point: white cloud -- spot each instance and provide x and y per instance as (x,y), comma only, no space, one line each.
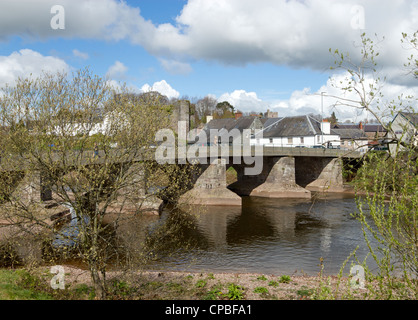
(79,54)
(99,19)
(244,101)
(27,62)
(306,101)
(117,71)
(162,87)
(284,32)
(236,32)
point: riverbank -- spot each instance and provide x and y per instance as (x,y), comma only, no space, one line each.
(169,285)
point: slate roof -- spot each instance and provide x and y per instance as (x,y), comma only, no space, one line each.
(368,127)
(356,134)
(297,126)
(345,126)
(230,123)
(373,128)
(411,117)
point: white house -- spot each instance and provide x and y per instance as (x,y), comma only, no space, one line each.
(298,131)
(112,122)
(405,128)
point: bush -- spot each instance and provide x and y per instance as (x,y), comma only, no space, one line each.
(284,279)
(235,292)
(261,290)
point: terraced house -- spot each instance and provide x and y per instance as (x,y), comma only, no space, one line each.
(298,131)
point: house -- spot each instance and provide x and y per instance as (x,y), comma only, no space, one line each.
(221,129)
(374,132)
(357,136)
(353,139)
(297,131)
(405,129)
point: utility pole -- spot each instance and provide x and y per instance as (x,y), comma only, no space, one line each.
(322,116)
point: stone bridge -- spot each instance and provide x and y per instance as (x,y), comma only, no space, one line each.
(285,173)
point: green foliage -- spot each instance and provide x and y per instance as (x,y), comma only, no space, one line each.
(305,292)
(201,283)
(284,279)
(51,124)
(235,292)
(387,184)
(388,213)
(224,110)
(18,285)
(120,290)
(261,290)
(332,119)
(273,283)
(215,293)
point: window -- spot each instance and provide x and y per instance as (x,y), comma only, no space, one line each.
(302,140)
(318,139)
(289,140)
(271,140)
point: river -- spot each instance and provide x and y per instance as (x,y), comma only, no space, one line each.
(271,236)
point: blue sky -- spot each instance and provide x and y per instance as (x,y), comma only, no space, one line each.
(255,54)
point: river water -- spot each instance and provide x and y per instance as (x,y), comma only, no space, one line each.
(272,236)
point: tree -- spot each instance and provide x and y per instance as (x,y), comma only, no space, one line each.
(364,80)
(412,44)
(99,169)
(205,106)
(224,110)
(386,184)
(332,119)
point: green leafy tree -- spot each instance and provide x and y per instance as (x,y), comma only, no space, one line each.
(332,119)
(224,110)
(100,167)
(386,184)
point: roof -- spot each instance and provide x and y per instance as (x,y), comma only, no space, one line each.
(231,123)
(292,127)
(345,126)
(369,127)
(411,117)
(351,133)
(220,124)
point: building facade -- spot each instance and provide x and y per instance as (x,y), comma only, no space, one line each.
(298,131)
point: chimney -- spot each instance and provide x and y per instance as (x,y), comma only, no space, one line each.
(238,115)
(360,125)
(326,127)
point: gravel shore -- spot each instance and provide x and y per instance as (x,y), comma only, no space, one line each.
(171,285)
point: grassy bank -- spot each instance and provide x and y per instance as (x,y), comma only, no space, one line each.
(36,285)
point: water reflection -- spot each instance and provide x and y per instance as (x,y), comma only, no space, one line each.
(268,236)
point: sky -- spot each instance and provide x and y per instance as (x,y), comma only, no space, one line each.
(255,54)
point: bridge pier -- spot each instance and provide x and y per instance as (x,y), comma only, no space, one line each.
(281,181)
(320,174)
(135,195)
(34,187)
(245,184)
(210,187)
